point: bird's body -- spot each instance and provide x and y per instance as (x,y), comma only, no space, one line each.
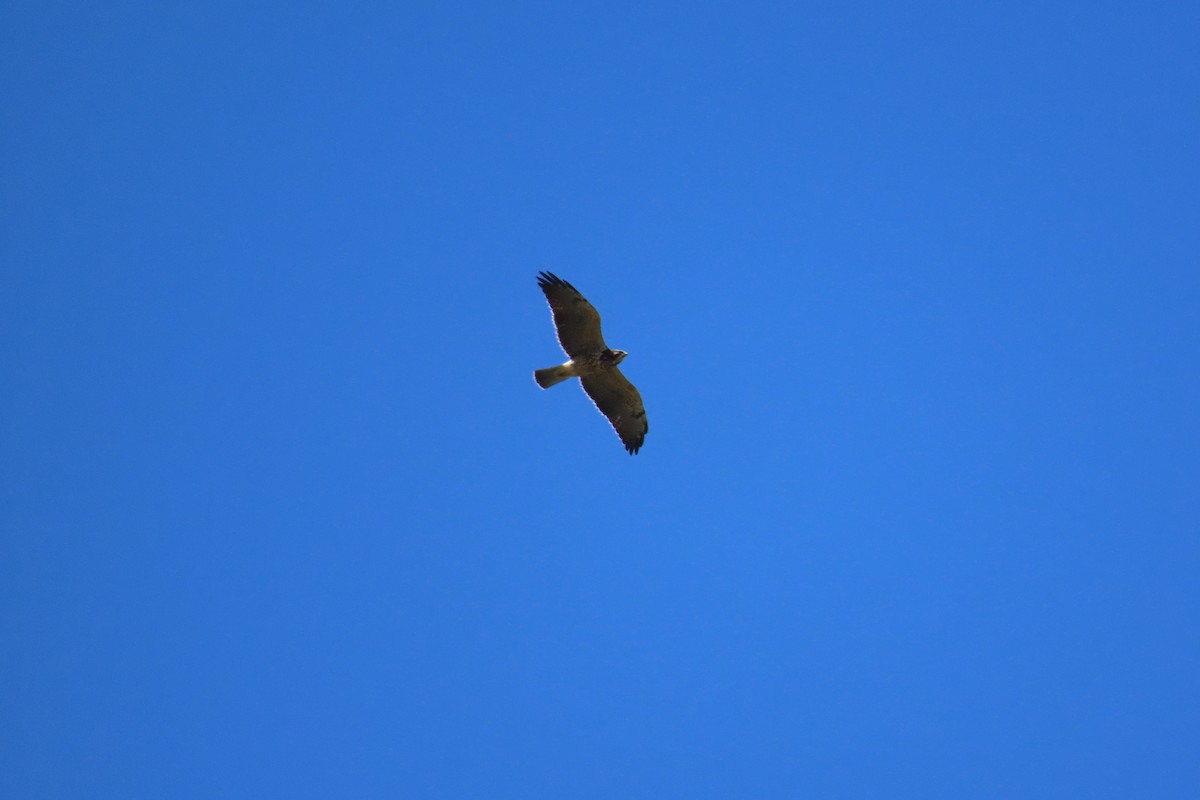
(583,366)
(592,361)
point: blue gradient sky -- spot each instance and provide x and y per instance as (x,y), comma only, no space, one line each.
(912,295)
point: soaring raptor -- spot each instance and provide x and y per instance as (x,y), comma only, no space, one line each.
(578,325)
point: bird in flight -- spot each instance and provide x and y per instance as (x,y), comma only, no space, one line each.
(578,326)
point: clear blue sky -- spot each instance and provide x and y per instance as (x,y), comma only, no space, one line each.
(911,291)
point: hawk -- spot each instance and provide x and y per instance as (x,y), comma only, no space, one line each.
(578,326)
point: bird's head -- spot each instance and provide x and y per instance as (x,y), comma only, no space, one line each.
(618,356)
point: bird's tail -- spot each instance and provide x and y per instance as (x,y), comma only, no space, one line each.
(551,375)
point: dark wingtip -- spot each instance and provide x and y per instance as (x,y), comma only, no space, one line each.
(633,448)
(548,279)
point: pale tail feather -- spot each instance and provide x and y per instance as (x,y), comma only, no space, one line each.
(551,375)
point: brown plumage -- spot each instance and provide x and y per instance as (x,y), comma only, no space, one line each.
(578,326)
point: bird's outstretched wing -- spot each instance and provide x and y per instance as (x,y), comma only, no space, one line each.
(619,400)
(575,320)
